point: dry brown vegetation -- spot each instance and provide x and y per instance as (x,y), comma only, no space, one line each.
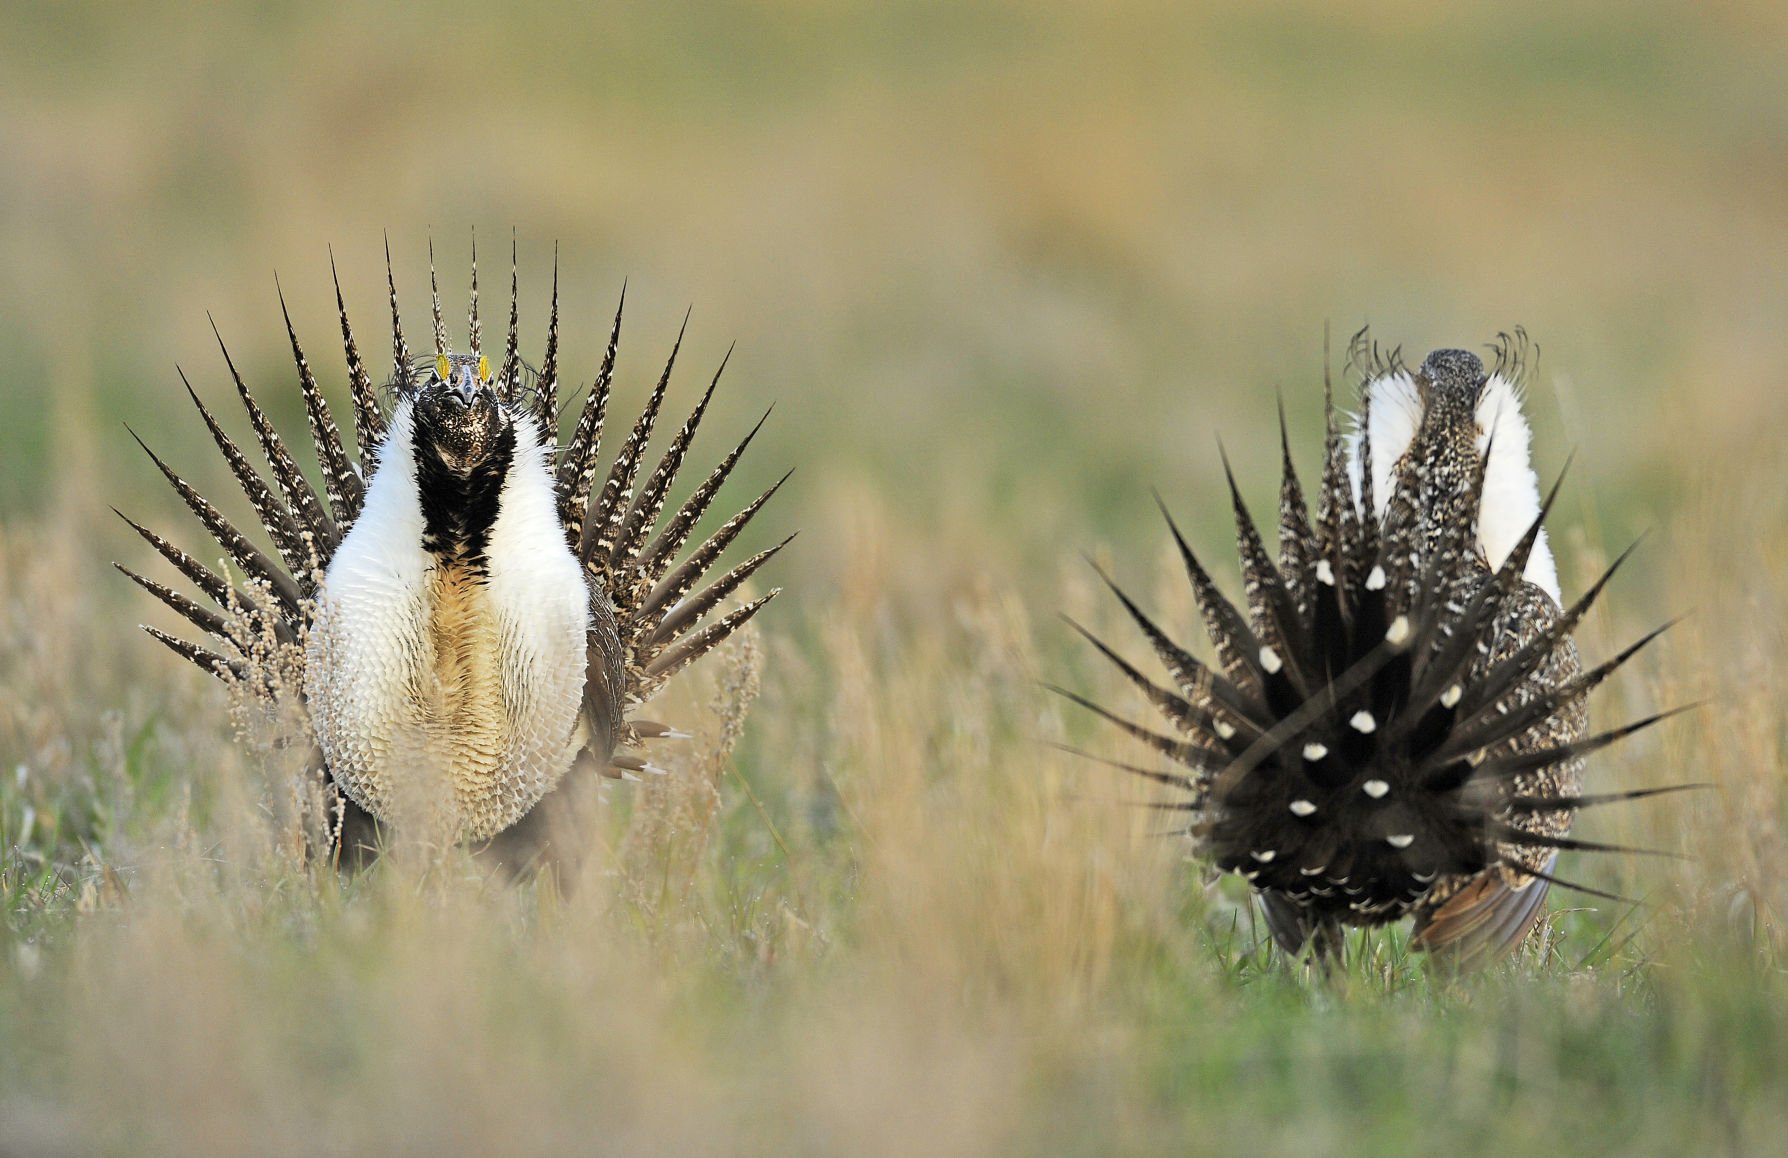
(1002,269)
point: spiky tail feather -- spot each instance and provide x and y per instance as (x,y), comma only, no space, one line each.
(652,606)
(1391,728)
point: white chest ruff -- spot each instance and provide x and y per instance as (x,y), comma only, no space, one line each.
(443,699)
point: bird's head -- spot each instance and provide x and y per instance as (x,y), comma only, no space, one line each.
(459,412)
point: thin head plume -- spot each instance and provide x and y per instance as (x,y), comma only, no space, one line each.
(400,349)
(1515,357)
(474,331)
(512,344)
(434,291)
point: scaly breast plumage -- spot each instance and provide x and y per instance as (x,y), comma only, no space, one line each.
(445,703)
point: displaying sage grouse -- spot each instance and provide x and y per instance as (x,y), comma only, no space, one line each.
(1397,725)
(478,607)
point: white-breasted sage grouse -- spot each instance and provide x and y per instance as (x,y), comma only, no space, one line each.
(1396,724)
(476,606)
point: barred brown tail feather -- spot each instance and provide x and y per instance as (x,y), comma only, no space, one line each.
(652,609)
(1396,721)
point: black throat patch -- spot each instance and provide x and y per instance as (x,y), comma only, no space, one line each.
(459,505)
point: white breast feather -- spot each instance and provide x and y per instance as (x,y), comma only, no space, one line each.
(371,651)
(1511,490)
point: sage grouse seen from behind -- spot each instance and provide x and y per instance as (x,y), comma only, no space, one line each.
(476,606)
(1396,726)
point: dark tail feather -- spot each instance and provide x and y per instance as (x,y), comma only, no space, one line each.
(1483,696)
(602,527)
(1197,682)
(434,293)
(547,403)
(245,554)
(340,481)
(657,557)
(1508,767)
(577,466)
(1273,609)
(509,377)
(203,618)
(474,331)
(1193,756)
(676,658)
(369,420)
(276,519)
(681,617)
(1526,805)
(682,580)
(300,497)
(400,349)
(1492,727)
(643,515)
(1297,561)
(1183,714)
(213,585)
(1230,635)
(208,661)
(1170,779)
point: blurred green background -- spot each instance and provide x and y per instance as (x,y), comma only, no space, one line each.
(1003,267)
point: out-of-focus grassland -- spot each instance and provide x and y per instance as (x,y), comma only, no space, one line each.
(1002,268)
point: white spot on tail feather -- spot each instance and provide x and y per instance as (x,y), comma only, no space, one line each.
(1376,789)
(1302,808)
(1401,840)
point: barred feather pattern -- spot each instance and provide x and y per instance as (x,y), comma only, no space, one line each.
(1397,723)
(652,608)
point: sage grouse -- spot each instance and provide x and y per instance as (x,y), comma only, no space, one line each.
(477,607)
(1397,725)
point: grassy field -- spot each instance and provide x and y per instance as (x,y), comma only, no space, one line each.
(1002,269)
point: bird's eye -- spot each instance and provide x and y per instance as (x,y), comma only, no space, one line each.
(483,368)
(443,368)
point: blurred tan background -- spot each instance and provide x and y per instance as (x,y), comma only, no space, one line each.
(1002,267)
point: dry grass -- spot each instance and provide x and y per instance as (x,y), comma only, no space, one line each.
(1003,269)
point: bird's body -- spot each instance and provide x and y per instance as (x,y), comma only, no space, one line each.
(474,613)
(1396,726)
(471,663)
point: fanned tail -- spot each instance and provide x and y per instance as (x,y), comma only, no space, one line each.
(1391,726)
(661,614)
